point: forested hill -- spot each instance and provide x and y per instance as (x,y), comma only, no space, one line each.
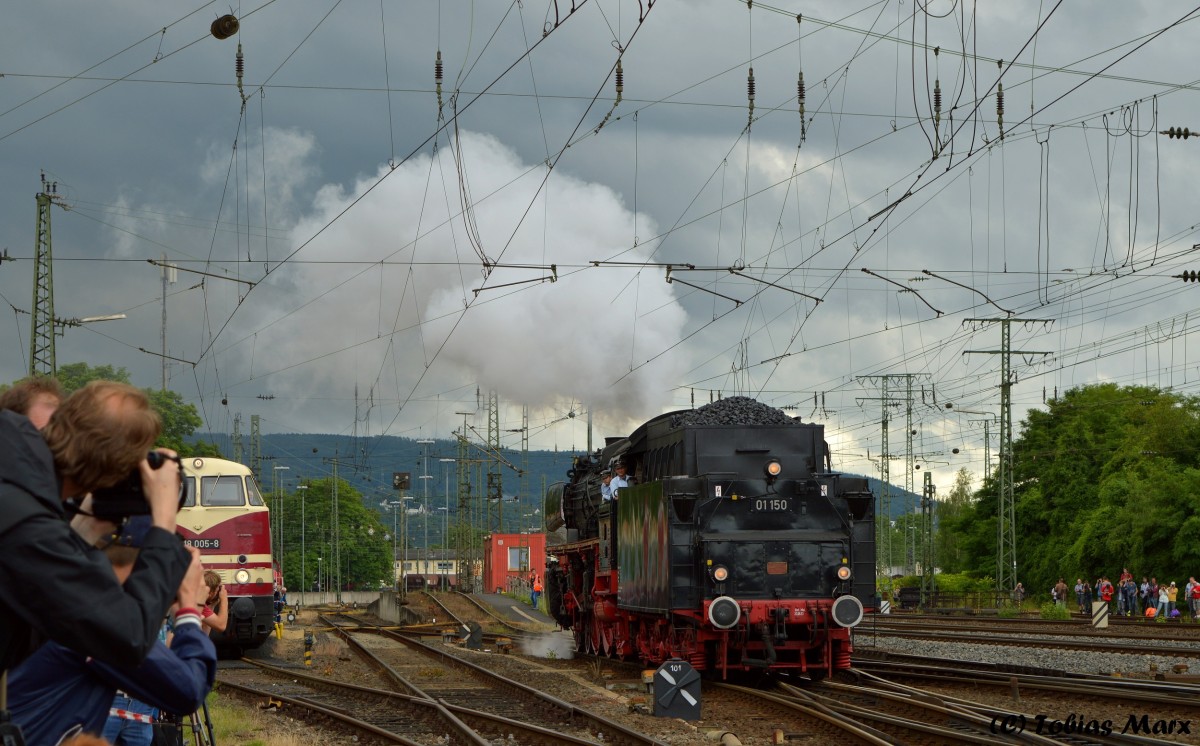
(369,466)
(1105,477)
(310,457)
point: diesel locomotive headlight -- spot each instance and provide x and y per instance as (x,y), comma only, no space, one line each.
(772,469)
(843,572)
(720,574)
(242,576)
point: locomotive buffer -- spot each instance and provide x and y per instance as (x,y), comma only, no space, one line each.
(677,690)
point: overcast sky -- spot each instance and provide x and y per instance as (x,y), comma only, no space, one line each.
(373,258)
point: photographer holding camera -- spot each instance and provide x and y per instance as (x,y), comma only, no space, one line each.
(53,584)
(57,691)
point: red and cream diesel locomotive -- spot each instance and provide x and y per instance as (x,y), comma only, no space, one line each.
(736,547)
(226,518)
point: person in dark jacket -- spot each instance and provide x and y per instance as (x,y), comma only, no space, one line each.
(58,692)
(53,584)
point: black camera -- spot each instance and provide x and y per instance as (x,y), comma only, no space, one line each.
(125,498)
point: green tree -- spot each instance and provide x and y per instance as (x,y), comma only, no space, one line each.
(1104,477)
(364,556)
(179,418)
(948,550)
(75,376)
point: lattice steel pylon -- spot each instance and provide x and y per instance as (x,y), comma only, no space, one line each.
(256,455)
(524,481)
(495,490)
(41,337)
(466,548)
(928,559)
(883,517)
(1006,532)
(237,438)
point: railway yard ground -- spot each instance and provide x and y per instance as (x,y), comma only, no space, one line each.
(906,686)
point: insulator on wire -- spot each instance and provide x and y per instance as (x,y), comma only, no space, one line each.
(437,77)
(620,85)
(240,66)
(800,101)
(225,26)
(1000,108)
(937,103)
(750,92)
(1190,276)
(937,93)
(1000,101)
(1182,133)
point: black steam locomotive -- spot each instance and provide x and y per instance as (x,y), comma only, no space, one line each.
(735,547)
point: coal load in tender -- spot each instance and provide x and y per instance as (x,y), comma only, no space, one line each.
(734,410)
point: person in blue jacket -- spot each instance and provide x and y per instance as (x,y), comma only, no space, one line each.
(58,692)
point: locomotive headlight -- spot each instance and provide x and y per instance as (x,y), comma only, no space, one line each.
(242,576)
(724,612)
(720,574)
(843,572)
(772,469)
(847,611)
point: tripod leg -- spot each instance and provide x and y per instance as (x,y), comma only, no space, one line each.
(208,726)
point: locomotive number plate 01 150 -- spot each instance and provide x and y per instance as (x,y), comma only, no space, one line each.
(770,505)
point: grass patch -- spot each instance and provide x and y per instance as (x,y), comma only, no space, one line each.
(1053,612)
(235,722)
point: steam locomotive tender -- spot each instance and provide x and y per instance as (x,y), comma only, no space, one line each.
(736,547)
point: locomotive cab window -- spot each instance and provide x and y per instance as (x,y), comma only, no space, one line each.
(190,501)
(222,492)
(252,489)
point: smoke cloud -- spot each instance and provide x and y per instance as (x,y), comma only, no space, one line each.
(393,296)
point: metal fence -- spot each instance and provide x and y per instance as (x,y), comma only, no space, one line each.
(911,598)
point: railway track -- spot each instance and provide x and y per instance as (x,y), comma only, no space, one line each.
(1182,698)
(907,713)
(1118,627)
(1082,639)
(423,670)
(464,608)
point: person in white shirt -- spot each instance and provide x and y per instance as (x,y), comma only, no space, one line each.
(619,480)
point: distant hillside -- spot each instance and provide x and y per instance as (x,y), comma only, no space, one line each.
(369,469)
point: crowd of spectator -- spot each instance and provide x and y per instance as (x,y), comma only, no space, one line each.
(1128,597)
